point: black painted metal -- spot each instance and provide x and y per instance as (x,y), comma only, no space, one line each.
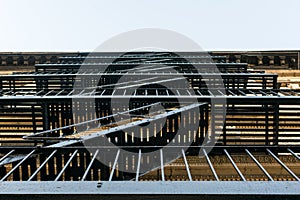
(76,163)
(257,113)
(255,107)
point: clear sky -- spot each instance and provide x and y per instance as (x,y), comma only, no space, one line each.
(81,25)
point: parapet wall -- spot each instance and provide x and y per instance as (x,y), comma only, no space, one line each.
(255,59)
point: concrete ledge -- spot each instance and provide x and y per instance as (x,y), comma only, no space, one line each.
(281,188)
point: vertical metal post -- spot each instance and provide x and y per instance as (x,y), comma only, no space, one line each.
(275,82)
(206,118)
(45,117)
(276,123)
(213,124)
(298,60)
(34,128)
(266,124)
(202,124)
(264,85)
(224,133)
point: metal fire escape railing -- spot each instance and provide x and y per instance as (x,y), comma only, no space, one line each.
(258,142)
(280,157)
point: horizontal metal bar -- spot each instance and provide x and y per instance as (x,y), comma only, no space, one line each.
(181,91)
(142,56)
(34,77)
(208,64)
(149,83)
(50,138)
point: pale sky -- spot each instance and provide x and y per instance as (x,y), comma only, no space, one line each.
(82,25)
